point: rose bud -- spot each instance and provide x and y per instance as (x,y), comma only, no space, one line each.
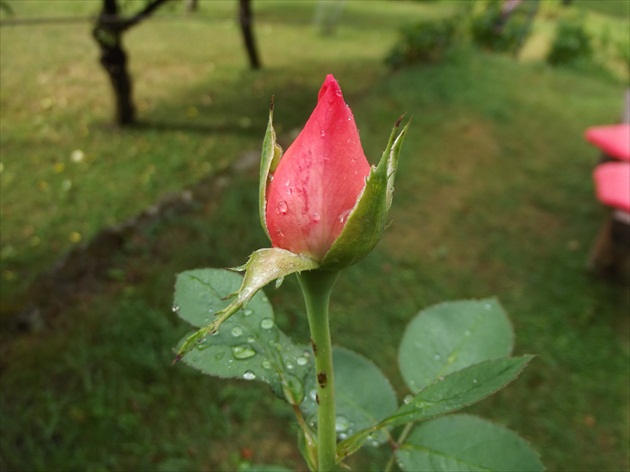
(321,199)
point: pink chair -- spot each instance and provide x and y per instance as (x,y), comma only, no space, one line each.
(612,247)
(613,140)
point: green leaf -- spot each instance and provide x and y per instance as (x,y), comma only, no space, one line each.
(263,266)
(270,158)
(466,443)
(460,389)
(451,393)
(451,336)
(247,346)
(367,220)
(363,395)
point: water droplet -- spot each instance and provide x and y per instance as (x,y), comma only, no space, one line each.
(341,423)
(316,217)
(243,352)
(313,395)
(344,216)
(287,182)
(289,365)
(407,399)
(302,360)
(175,308)
(218,356)
(248,312)
(251,339)
(267,323)
(467,333)
(338,93)
(236,331)
(437,357)
(201,346)
(282,207)
(474,380)
(266,364)
(322,133)
(249,375)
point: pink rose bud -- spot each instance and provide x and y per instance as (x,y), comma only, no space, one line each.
(322,200)
(318,180)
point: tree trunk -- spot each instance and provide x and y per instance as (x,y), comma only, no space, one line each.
(114,60)
(246,20)
(192,5)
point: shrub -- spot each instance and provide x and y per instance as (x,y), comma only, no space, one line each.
(424,42)
(491,31)
(572,44)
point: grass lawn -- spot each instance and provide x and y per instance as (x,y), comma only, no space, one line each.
(494,197)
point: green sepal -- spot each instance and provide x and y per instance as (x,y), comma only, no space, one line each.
(367,219)
(269,160)
(263,266)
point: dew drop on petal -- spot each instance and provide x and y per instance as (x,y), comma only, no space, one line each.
(344,216)
(338,93)
(316,217)
(287,182)
(322,133)
(282,207)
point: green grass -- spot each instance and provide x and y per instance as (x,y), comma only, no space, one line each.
(494,197)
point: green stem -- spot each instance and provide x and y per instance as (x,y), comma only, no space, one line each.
(401,439)
(316,287)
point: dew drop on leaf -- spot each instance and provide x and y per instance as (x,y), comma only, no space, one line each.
(266,364)
(249,375)
(237,331)
(341,423)
(267,323)
(248,312)
(175,308)
(242,352)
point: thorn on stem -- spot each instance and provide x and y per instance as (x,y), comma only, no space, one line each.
(322,379)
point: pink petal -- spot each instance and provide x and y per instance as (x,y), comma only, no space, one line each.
(318,180)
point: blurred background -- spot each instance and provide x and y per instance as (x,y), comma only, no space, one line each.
(130,138)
